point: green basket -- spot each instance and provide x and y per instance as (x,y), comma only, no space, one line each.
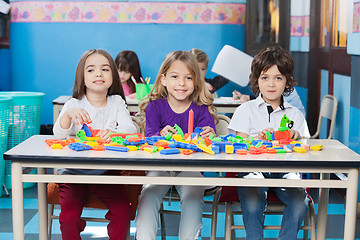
(24,122)
(5,103)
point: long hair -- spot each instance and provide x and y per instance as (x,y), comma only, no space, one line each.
(128,61)
(200,95)
(267,58)
(79,85)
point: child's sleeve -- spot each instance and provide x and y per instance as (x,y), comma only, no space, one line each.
(205,119)
(58,131)
(240,121)
(153,120)
(123,117)
(300,124)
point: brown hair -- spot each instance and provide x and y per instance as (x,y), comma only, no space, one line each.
(200,56)
(200,96)
(128,61)
(267,58)
(79,85)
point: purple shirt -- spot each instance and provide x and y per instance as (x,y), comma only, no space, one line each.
(159,114)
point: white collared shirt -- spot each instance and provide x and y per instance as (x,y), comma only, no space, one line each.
(252,117)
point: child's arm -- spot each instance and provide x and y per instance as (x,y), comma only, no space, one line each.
(207,131)
(262,134)
(64,125)
(241,134)
(78,115)
(294,134)
(166,130)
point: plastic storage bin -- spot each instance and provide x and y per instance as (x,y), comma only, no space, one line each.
(24,122)
(5,103)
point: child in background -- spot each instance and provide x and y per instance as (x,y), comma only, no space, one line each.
(98,98)
(128,66)
(271,77)
(177,90)
(215,83)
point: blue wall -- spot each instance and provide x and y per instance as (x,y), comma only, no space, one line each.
(4,69)
(44,56)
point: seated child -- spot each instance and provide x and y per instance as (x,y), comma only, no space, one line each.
(271,78)
(213,84)
(178,89)
(128,66)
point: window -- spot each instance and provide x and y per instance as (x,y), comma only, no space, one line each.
(267,23)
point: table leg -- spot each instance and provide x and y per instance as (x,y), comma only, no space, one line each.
(17,201)
(351,204)
(42,202)
(322,209)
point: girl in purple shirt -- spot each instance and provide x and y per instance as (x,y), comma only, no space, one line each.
(178,89)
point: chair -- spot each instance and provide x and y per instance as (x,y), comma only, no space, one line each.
(221,129)
(274,207)
(93,201)
(328,110)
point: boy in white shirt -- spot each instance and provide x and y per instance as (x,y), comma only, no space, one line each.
(271,77)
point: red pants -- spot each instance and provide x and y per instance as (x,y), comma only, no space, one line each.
(73,198)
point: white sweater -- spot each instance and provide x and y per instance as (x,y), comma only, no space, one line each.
(113,116)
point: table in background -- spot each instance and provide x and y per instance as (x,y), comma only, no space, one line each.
(223,105)
(335,157)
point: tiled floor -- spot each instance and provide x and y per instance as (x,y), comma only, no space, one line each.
(98,230)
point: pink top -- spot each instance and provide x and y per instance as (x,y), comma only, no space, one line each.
(127,89)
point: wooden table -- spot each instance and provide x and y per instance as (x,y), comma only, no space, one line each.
(334,158)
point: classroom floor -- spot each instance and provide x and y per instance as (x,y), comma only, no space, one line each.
(97,231)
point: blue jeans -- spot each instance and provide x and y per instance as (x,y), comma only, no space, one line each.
(191,199)
(253,204)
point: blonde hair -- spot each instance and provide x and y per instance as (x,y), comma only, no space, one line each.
(200,95)
(200,56)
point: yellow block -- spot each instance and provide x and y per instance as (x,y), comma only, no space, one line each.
(56,146)
(205,149)
(92,138)
(132,148)
(299,150)
(317,147)
(229,149)
(177,137)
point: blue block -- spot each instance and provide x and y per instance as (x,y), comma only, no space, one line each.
(118,149)
(216,149)
(239,146)
(170,151)
(86,130)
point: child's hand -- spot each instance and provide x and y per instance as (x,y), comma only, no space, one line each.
(78,115)
(104,134)
(236,95)
(166,130)
(294,134)
(209,86)
(262,134)
(207,131)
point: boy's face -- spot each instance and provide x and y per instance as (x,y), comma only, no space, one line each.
(272,85)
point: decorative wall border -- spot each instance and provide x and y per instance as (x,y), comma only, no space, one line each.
(356,18)
(128,12)
(300,26)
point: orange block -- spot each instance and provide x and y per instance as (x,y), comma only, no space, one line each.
(241,151)
(282,135)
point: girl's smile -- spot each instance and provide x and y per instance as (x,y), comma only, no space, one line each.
(179,83)
(97,74)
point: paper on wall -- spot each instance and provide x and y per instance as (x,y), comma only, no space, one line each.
(233,64)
